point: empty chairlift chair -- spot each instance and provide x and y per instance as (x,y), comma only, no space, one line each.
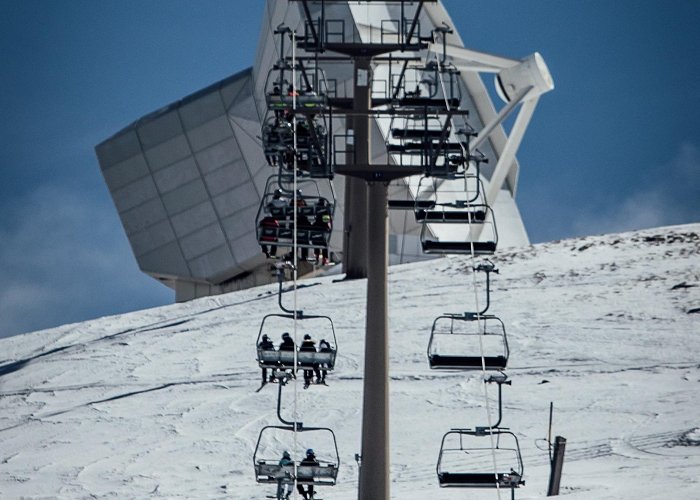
(456,342)
(476,235)
(467,459)
(452,213)
(426,140)
(453,216)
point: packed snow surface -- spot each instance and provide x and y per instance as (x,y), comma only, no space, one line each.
(162,403)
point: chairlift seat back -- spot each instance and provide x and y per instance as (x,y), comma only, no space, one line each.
(478,480)
(303,102)
(458,247)
(320,475)
(443,362)
(285,359)
(455,216)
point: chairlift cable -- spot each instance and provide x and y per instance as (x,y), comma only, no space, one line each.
(294,247)
(481,323)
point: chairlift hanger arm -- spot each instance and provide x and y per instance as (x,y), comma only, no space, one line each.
(309,20)
(293,424)
(443,136)
(401,76)
(503,379)
(282,30)
(414,23)
(304,75)
(315,143)
(321,45)
(280,280)
(488,269)
(445,30)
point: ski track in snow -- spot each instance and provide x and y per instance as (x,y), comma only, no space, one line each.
(161,403)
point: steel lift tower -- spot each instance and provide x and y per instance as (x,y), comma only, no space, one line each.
(432,151)
(374,472)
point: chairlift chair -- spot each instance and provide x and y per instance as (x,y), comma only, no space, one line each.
(478,235)
(303,102)
(428,139)
(277,140)
(271,445)
(456,340)
(452,214)
(318,326)
(308,90)
(311,149)
(466,459)
(275,221)
(460,221)
(428,93)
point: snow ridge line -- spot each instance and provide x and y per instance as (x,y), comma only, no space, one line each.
(17,365)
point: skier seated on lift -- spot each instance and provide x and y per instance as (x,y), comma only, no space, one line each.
(413,94)
(289,113)
(269,226)
(287,345)
(310,459)
(284,486)
(287,342)
(266,345)
(278,202)
(303,225)
(309,345)
(322,223)
(303,130)
(324,346)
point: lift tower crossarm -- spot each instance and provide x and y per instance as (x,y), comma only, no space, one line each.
(473,60)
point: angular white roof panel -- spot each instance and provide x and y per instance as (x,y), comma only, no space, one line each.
(187,179)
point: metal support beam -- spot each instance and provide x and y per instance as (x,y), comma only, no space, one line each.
(473,59)
(355,244)
(356,189)
(374,474)
(502,115)
(505,161)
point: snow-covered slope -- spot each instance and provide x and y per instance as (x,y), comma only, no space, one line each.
(162,402)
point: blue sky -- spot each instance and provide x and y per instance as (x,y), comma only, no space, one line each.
(616,145)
